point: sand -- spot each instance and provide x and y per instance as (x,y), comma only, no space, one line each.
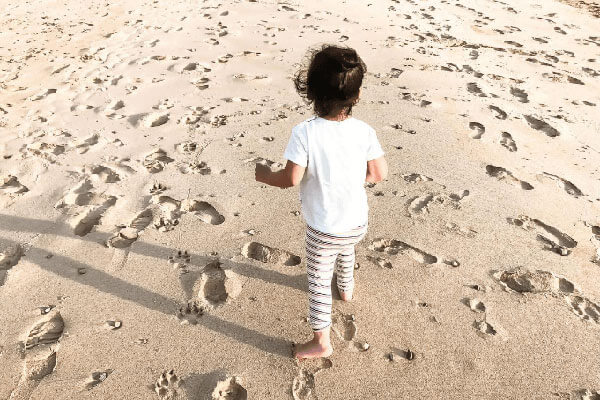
(139,259)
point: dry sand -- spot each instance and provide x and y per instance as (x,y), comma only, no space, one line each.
(135,241)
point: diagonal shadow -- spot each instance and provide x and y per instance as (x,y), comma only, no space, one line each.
(23,224)
(67,267)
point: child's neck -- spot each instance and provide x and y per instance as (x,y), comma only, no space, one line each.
(339,116)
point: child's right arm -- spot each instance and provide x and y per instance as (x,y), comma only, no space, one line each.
(377,170)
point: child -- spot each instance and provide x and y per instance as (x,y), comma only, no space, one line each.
(330,155)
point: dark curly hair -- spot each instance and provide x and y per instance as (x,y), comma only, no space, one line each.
(330,78)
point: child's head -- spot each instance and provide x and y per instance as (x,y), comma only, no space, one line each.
(332,79)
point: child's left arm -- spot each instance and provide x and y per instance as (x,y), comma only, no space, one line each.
(290,176)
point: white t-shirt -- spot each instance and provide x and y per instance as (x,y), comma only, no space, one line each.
(335,153)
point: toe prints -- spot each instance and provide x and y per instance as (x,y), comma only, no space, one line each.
(266,254)
(521,280)
(502,174)
(190,313)
(344,326)
(584,308)
(167,385)
(423,204)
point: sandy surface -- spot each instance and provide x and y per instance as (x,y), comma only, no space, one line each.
(129,133)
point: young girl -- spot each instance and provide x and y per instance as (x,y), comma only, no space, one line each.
(330,155)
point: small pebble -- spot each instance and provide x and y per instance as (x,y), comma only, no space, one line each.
(81,271)
(364,346)
(390,357)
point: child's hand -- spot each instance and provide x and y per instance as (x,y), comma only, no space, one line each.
(261,172)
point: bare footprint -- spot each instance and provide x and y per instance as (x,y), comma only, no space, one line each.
(392,246)
(266,254)
(303,386)
(555,240)
(502,174)
(541,125)
(508,142)
(204,211)
(230,389)
(478,128)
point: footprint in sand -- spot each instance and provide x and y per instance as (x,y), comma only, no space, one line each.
(204,211)
(478,130)
(472,87)
(520,94)
(97,378)
(595,239)
(167,385)
(554,239)
(263,161)
(395,352)
(502,174)
(266,254)
(12,186)
(102,173)
(129,234)
(47,330)
(500,114)
(40,356)
(475,305)
(522,280)
(564,184)
(584,308)
(190,313)
(421,204)
(36,367)
(303,386)
(156,160)
(393,247)
(541,125)
(9,257)
(415,178)
(380,261)
(508,142)
(84,224)
(195,167)
(217,285)
(344,326)
(230,388)
(485,328)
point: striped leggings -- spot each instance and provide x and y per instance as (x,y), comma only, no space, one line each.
(323,251)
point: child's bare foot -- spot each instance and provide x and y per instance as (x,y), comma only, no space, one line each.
(346,296)
(312,349)
(319,346)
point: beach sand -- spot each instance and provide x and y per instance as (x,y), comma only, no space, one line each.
(140,259)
